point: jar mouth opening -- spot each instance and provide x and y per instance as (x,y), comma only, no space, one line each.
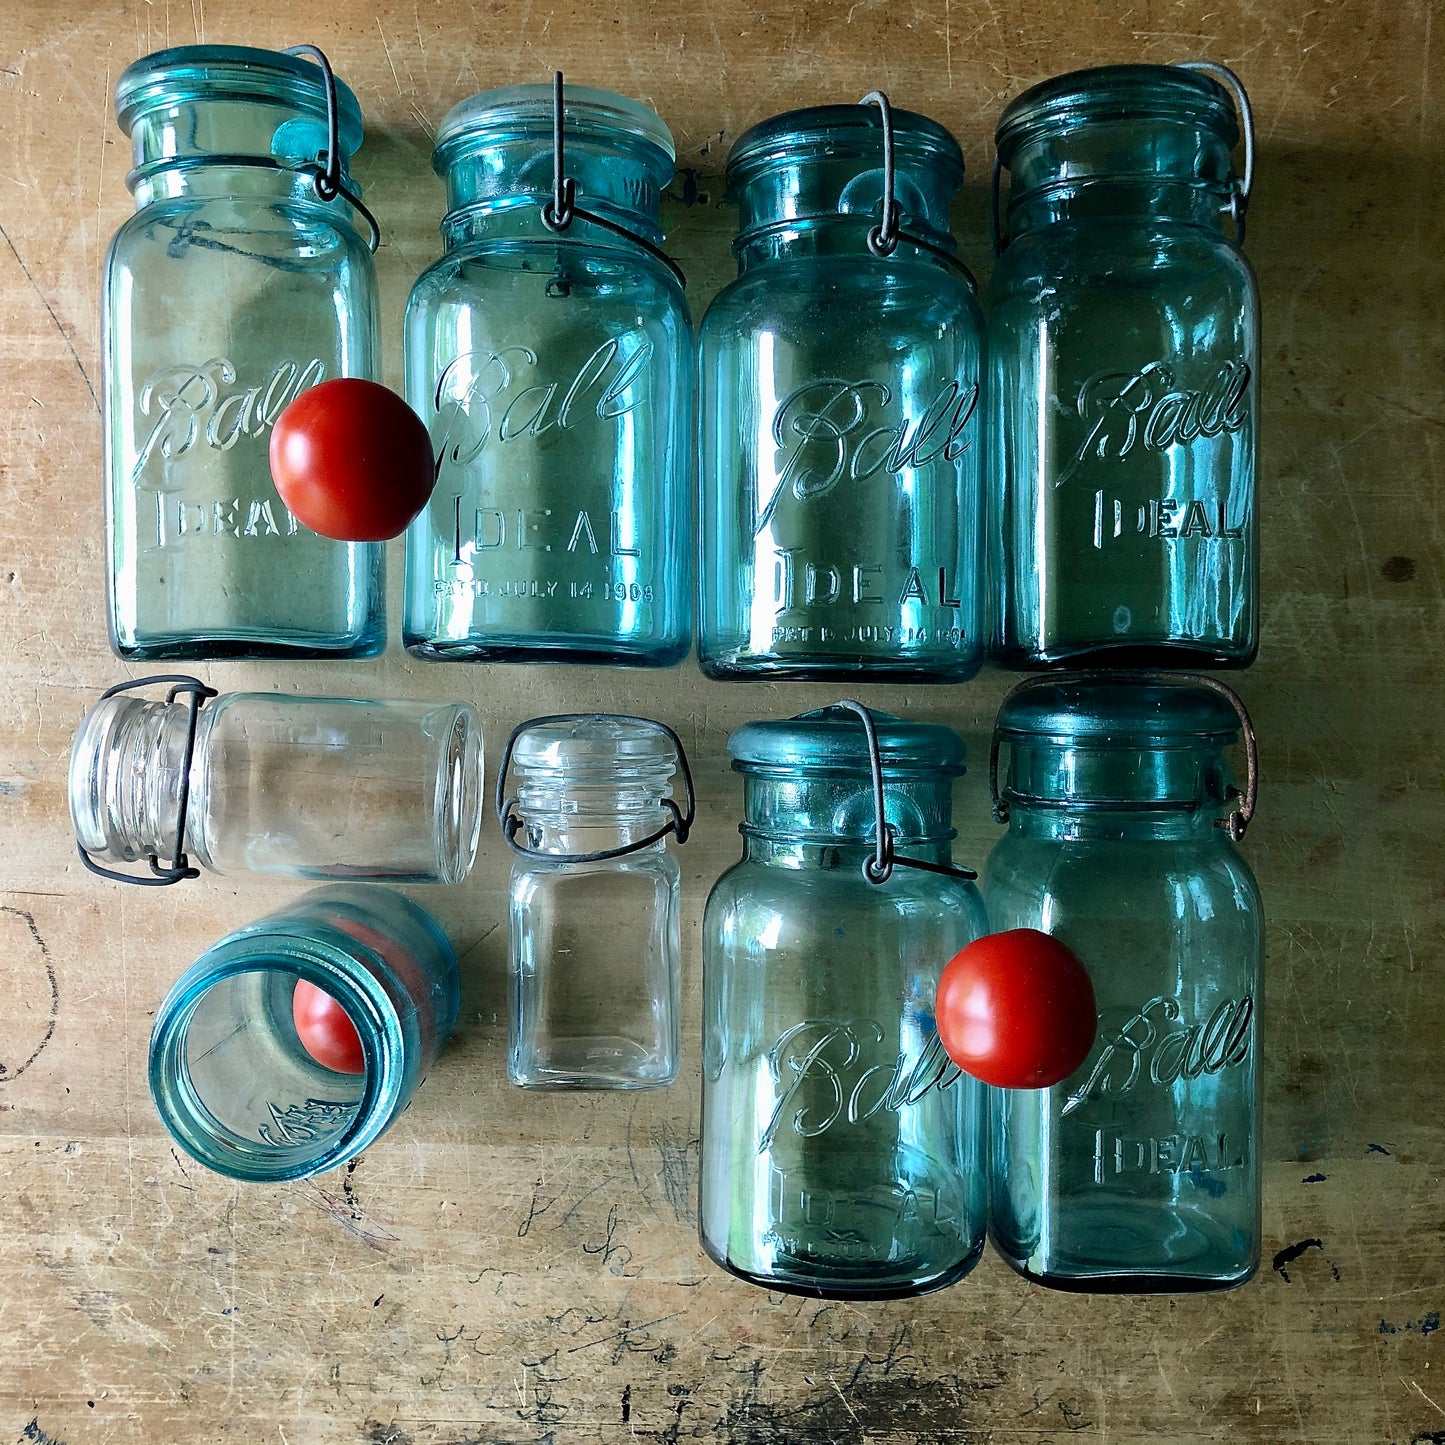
(184,1108)
(188,73)
(840,132)
(1112,93)
(525,112)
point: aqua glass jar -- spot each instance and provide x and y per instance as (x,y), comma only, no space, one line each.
(553,366)
(596,937)
(1124,356)
(1140,1172)
(842,1152)
(233,288)
(231,1078)
(842,505)
(275,784)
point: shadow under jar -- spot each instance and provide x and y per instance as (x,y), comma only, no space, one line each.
(232,1080)
(1140,1172)
(554,371)
(842,505)
(1124,358)
(842,1151)
(596,941)
(232,289)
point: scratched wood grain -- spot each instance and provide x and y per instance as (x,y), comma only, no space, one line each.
(517,1268)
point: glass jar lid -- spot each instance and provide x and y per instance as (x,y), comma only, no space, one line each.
(1116,92)
(524,112)
(832,740)
(827,132)
(190,73)
(593,746)
(1127,715)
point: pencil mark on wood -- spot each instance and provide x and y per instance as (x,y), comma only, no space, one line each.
(21,963)
(50,312)
(534,1210)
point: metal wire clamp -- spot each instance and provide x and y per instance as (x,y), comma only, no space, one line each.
(180,866)
(879,868)
(560,212)
(325,170)
(679,824)
(883,238)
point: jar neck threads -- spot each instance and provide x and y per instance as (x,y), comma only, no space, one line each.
(126,773)
(573,810)
(838,811)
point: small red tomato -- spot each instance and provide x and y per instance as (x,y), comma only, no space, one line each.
(325,1030)
(1016,1010)
(352,460)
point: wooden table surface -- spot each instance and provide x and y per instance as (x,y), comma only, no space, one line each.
(514,1267)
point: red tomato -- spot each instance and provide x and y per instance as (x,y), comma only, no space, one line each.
(352,460)
(326,1031)
(1016,1010)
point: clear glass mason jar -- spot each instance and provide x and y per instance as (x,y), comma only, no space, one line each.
(842,1152)
(231,1079)
(554,370)
(1140,1172)
(842,506)
(272,783)
(596,941)
(232,289)
(1124,356)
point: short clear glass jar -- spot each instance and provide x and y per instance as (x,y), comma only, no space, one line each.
(276,784)
(554,369)
(233,288)
(1124,354)
(1140,1172)
(232,1081)
(842,1152)
(842,501)
(596,943)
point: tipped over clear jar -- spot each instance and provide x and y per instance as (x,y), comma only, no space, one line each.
(233,288)
(596,948)
(234,1083)
(554,368)
(300,787)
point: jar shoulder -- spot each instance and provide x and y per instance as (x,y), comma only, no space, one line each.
(1040,264)
(841,287)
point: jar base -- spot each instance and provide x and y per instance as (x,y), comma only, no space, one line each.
(835,668)
(1141,1283)
(544,648)
(1166,656)
(853,1290)
(200,647)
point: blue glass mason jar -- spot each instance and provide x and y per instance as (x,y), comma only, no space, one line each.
(1124,356)
(1140,1172)
(236,285)
(842,1151)
(842,504)
(232,1079)
(553,366)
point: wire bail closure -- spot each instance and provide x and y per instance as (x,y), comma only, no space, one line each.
(883,238)
(879,868)
(1238,819)
(562,209)
(679,824)
(1239,191)
(180,866)
(325,171)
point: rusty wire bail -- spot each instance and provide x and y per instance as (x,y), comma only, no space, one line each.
(679,824)
(562,209)
(1237,206)
(879,867)
(884,237)
(180,867)
(1235,823)
(325,171)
